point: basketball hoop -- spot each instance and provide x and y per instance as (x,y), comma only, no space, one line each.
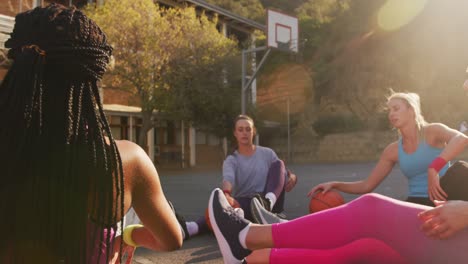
(282,31)
(290,46)
(282,34)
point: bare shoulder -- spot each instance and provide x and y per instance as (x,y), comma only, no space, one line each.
(435,127)
(135,160)
(138,168)
(129,150)
(438,134)
(126,144)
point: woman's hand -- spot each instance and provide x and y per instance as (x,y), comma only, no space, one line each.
(233,202)
(433,186)
(127,251)
(445,220)
(324,187)
(292,180)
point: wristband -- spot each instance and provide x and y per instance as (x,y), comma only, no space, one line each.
(127,235)
(437,164)
(227,192)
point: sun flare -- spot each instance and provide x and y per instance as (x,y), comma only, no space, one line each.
(397,13)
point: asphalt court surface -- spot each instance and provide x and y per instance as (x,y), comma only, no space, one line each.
(189,192)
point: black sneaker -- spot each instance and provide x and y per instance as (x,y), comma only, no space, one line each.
(263,201)
(181,220)
(261,216)
(227,223)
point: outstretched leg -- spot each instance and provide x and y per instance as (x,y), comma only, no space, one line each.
(370,216)
(361,251)
(232,232)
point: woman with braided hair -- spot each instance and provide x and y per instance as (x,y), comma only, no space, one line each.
(62,174)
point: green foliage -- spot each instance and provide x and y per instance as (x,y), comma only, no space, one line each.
(343,67)
(142,47)
(338,123)
(288,7)
(314,22)
(209,97)
(357,61)
(251,9)
(315,18)
(322,11)
(159,52)
(204,76)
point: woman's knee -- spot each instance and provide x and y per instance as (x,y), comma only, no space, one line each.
(276,165)
(371,199)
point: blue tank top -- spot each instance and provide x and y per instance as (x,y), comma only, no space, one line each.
(414,166)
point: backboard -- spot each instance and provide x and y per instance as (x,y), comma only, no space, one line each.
(282,31)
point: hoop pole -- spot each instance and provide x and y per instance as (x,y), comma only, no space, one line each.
(245,85)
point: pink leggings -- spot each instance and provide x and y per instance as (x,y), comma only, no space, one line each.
(371,229)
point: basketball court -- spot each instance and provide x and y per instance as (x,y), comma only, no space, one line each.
(189,191)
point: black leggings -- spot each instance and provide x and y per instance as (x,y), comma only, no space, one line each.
(420,200)
(454,183)
(276,182)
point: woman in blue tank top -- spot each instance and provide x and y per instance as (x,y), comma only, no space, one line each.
(422,152)
(416,233)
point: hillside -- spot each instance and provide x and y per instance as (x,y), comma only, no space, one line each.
(353,61)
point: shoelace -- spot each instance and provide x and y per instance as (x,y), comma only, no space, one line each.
(236,214)
(240,212)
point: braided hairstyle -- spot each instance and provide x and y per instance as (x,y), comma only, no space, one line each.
(60,169)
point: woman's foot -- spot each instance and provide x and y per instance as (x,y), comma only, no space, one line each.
(227,223)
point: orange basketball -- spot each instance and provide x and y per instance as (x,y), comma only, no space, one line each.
(322,201)
(207,218)
(231,201)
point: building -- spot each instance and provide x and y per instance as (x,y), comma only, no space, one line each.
(171,143)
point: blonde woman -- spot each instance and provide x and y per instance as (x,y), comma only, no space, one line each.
(422,151)
(372,228)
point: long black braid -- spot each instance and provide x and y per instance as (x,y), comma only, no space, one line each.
(60,175)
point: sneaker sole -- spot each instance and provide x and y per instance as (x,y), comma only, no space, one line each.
(223,244)
(262,216)
(264,219)
(255,214)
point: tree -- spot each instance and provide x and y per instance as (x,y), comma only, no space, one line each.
(205,83)
(251,9)
(151,47)
(322,11)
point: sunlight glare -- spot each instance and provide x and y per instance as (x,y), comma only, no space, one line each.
(397,13)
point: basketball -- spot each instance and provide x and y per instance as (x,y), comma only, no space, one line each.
(231,201)
(207,219)
(322,201)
